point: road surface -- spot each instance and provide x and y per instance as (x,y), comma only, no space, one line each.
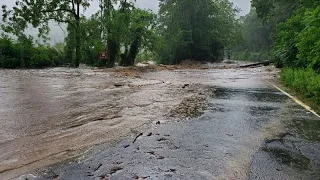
(98,125)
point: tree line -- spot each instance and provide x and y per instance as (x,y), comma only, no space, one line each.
(183,29)
(289,33)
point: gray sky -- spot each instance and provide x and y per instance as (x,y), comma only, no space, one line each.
(244,5)
(57,35)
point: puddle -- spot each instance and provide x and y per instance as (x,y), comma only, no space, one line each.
(306,129)
(260,94)
(262,110)
(286,153)
(294,153)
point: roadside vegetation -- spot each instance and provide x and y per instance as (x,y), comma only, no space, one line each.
(305,81)
(288,33)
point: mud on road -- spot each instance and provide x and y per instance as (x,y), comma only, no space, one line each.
(204,122)
(51,115)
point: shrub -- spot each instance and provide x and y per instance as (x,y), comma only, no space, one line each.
(305,81)
(40,59)
(24,54)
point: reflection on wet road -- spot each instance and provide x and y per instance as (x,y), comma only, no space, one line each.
(248,130)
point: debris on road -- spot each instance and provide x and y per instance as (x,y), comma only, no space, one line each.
(135,139)
(263,63)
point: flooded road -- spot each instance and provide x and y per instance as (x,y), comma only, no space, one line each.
(245,129)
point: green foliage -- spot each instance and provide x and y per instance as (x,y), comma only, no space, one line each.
(140,35)
(39,13)
(256,42)
(308,40)
(115,28)
(297,40)
(7,52)
(126,31)
(24,54)
(91,40)
(285,49)
(40,58)
(195,29)
(276,11)
(305,81)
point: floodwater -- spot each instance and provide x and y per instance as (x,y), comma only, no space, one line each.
(248,130)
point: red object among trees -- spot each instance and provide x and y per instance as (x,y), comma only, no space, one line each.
(103,55)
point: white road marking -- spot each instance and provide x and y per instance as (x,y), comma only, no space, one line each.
(296,100)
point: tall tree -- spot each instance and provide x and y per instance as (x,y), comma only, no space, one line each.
(195,29)
(40,12)
(139,34)
(256,34)
(295,36)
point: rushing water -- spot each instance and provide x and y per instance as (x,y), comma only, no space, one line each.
(51,115)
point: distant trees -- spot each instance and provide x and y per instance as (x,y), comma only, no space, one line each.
(34,56)
(296,42)
(183,29)
(296,39)
(40,12)
(285,31)
(256,41)
(140,32)
(195,29)
(123,30)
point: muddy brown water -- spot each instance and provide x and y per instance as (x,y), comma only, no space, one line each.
(50,115)
(54,114)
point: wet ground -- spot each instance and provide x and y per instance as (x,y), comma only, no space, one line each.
(178,124)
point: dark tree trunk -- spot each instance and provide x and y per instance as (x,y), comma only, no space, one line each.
(78,38)
(128,58)
(113,50)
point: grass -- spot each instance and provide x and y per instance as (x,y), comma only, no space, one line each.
(304,81)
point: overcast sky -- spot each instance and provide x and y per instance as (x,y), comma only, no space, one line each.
(57,34)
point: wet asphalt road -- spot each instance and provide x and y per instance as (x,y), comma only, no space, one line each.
(249,130)
(245,133)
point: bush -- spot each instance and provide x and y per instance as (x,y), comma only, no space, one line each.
(298,40)
(24,54)
(305,81)
(9,62)
(7,53)
(309,39)
(40,58)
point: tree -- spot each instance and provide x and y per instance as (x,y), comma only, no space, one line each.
(139,34)
(256,38)
(126,29)
(195,29)
(296,35)
(39,13)
(308,40)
